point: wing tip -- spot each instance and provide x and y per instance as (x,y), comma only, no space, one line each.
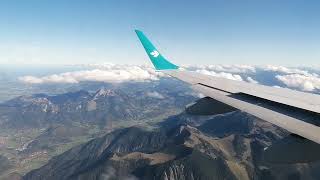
(158,61)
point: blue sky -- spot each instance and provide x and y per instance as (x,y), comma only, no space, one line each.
(285,32)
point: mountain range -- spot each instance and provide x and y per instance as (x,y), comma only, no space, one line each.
(227,146)
(135,131)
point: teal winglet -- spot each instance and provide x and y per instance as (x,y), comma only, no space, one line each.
(158,61)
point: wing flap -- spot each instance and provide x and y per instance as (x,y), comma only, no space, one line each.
(291,124)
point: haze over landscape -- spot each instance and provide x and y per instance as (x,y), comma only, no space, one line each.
(45,114)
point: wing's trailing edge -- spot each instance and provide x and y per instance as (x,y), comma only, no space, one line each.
(297,112)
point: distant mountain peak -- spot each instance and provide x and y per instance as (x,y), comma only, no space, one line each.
(103,92)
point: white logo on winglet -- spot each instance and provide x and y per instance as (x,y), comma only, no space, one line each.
(154,53)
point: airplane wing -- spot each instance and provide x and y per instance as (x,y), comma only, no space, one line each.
(297,112)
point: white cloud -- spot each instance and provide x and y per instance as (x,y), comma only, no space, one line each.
(110,173)
(250,80)
(284,70)
(302,82)
(155,94)
(200,95)
(220,74)
(235,68)
(112,73)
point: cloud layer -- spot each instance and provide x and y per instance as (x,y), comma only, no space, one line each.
(302,82)
(108,73)
(220,74)
(280,76)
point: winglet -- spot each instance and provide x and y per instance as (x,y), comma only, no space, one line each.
(158,61)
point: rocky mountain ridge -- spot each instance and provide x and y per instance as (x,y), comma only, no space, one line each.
(180,150)
(100,107)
